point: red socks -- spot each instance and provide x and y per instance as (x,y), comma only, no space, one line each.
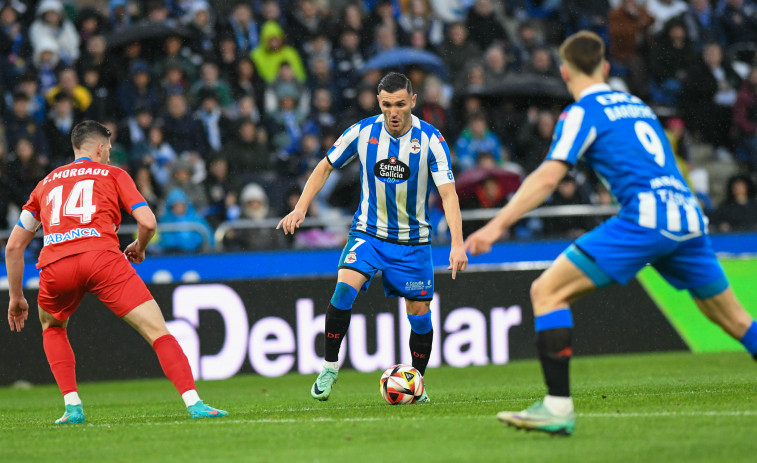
(60,356)
(174,363)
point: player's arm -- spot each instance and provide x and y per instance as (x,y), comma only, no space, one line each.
(314,184)
(21,236)
(458,261)
(146,226)
(536,188)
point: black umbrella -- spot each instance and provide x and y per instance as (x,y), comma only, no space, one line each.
(405,56)
(527,86)
(143,31)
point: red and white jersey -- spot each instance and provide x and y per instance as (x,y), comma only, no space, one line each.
(79,207)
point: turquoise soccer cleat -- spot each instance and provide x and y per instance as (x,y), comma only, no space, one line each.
(200,410)
(74,414)
(322,386)
(423,399)
(538,418)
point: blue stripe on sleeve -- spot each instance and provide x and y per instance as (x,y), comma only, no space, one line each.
(138,205)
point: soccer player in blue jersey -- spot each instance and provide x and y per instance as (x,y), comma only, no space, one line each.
(400,156)
(659,223)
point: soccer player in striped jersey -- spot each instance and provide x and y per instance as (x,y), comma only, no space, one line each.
(659,223)
(79,207)
(400,156)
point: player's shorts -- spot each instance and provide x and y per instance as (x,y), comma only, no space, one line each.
(618,249)
(105,273)
(407,269)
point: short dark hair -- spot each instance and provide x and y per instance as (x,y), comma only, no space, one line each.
(394,82)
(583,51)
(86,130)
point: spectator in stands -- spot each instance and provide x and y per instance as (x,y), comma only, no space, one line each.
(253,202)
(495,65)
(484,26)
(708,96)
(210,80)
(228,55)
(384,39)
(352,19)
(745,120)
(534,138)
(323,114)
(45,61)
(183,132)
(214,122)
(24,171)
(247,106)
(52,24)
(27,84)
(366,106)
(200,25)
(419,18)
(273,52)
(430,107)
(248,158)
(476,139)
(15,49)
(739,211)
(173,79)
(57,128)
(220,188)
(95,55)
(119,155)
(305,22)
(119,15)
(176,55)
(663,11)
(630,37)
(89,22)
(179,210)
(567,194)
(182,172)
(246,81)
(671,59)
(147,186)
(542,63)
(244,28)
(458,51)
(586,15)
(138,90)
(135,128)
(348,60)
(68,82)
(738,20)
(19,123)
(155,153)
(103,100)
(702,23)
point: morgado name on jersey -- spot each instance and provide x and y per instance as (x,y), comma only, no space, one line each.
(75,173)
(391,170)
(76,233)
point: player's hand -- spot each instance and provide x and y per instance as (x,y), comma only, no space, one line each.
(134,254)
(458,261)
(292,220)
(480,242)
(18,311)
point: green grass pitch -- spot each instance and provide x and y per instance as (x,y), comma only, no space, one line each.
(673,407)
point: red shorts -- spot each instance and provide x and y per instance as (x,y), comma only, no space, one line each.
(105,273)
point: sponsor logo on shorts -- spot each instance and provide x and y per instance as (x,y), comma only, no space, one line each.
(76,233)
(422,286)
(350,258)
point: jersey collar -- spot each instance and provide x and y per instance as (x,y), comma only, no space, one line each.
(416,123)
(595,88)
(83,158)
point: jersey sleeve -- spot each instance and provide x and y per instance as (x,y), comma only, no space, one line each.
(129,198)
(30,212)
(344,148)
(439,161)
(574,133)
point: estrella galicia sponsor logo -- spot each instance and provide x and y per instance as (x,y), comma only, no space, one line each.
(53,238)
(391,170)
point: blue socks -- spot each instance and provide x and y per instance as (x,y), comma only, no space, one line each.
(344,296)
(561,318)
(750,339)
(420,324)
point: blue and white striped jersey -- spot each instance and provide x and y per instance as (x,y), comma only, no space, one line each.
(622,140)
(395,177)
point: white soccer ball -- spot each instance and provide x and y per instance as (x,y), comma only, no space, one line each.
(401,384)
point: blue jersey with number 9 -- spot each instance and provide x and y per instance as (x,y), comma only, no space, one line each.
(621,138)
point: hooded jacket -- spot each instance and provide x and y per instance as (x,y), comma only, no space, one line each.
(268,61)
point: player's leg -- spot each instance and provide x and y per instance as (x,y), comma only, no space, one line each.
(338,315)
(115,282)
(421,336)
(60,293)
(726,310)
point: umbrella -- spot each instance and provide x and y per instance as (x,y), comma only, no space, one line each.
(466,182)
(143,31)
(527,85)
(405,56)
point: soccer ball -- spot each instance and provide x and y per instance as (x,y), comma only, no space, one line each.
(401,384)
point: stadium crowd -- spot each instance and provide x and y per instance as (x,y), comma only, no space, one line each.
(220,109)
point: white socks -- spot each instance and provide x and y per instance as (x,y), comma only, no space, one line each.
(190,397)
(332,365)
(72,398)
(560,406)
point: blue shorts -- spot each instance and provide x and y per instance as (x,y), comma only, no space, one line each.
(618,249)
(407,269)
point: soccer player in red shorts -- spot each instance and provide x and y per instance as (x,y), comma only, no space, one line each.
(79,208)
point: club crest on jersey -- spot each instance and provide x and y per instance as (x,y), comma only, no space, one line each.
(350,258)
(391,171)
(415,146)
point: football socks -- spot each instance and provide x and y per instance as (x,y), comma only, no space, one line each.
(554,331)
(420,346)
(174,363)
(337,322)
(60,356)
(749,340)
